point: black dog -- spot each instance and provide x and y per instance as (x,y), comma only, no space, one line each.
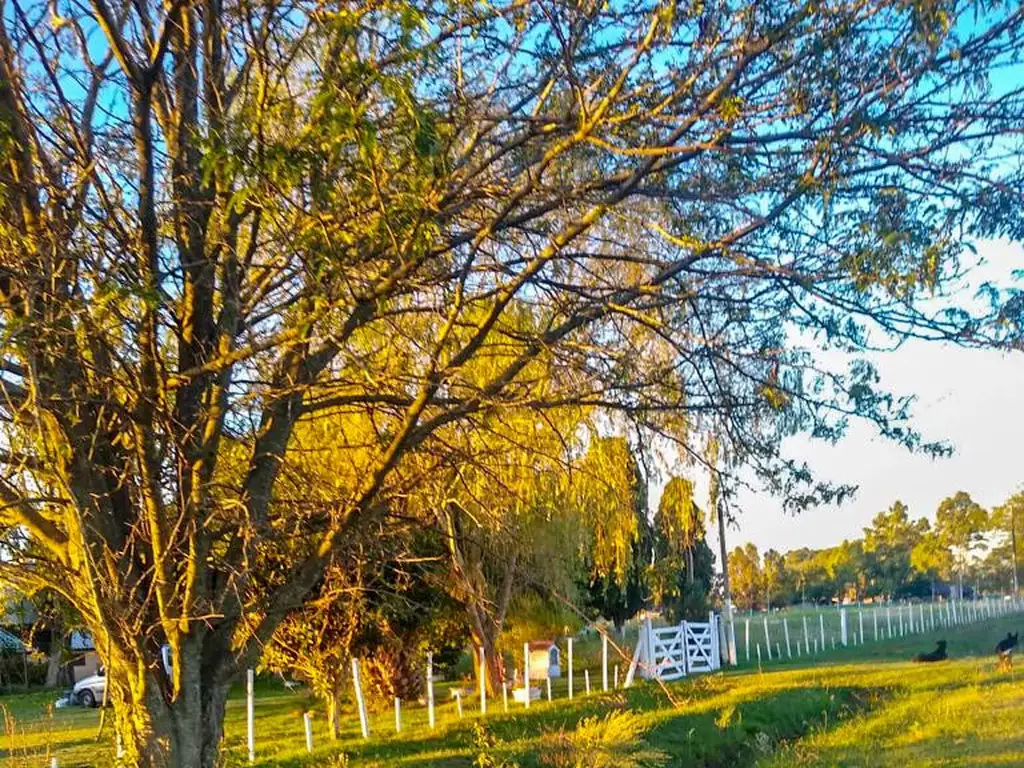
(1004,650)
(939,654)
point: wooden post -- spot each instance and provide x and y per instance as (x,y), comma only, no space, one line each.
(586,679)
(398,715)
(483,682)
(767,639)
(308,726)
(364,720)
(570,667)
(604,661)
(746,637)
(250,718)
(526,673)
(785,628)
(430,690)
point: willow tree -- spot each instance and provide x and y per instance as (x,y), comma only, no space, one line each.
(221,217)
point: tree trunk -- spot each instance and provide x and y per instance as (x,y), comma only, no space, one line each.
(56,655)
(495,671)
(334,713)
(155,732)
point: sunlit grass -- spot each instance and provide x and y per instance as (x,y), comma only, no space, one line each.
(864,705)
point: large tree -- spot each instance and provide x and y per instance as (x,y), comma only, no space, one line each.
(220,219)
(1008,520)
(888,544)
(960,523)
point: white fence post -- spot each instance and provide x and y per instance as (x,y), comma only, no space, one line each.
(526,674)
(364,721)
(716,650)
(604,661)
(430,690)
(767,639)
(308,726)
(860,619)
(548,681)
(398,715)
(807,640)
(842,626)
(504,695)
(586,679)
(685,636)
(746,637)
(785,629)
(458,702)
(821,626)
(888,622)
(250,682)
(483,682)
(570,667)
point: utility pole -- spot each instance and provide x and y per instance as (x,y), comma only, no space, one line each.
(1013,546)
(730,632)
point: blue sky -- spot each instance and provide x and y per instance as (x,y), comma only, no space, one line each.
(972,398)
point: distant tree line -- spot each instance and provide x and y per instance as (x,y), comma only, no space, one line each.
(967,549)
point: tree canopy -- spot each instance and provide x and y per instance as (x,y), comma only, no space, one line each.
(222,222)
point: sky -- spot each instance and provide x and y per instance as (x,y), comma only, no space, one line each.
(974,399)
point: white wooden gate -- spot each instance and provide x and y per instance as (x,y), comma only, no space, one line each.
(669,653)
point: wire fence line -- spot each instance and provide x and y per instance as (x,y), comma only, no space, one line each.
(800,632)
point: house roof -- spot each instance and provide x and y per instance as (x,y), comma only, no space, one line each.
(10,642)
(82,641)
(542,645)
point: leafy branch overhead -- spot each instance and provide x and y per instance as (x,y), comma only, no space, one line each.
(224,222)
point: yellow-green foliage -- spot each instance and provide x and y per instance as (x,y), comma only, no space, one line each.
(613,741)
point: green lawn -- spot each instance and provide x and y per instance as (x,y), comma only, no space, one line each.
(863,705)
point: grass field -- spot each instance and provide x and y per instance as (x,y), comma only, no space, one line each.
(864,705)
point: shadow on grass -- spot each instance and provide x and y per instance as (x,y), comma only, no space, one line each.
(713,724)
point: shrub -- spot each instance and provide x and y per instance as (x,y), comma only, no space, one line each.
(614,741)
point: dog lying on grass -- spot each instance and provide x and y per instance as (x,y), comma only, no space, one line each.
(939,654)
(1004,650)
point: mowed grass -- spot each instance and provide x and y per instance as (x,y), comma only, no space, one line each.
(865,705)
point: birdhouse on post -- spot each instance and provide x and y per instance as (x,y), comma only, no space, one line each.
(545,660)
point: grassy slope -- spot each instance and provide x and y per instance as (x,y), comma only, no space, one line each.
(858,706)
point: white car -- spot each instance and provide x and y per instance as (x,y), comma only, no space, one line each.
(89,691)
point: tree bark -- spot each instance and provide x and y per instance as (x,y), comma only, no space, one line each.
(333,703)
(56,655)
(157,733)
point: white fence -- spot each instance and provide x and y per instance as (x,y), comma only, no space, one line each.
(669,653)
